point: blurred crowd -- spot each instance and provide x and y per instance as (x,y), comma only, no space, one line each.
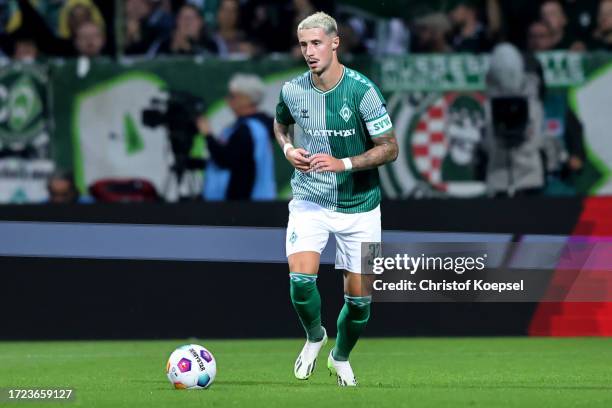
(33,29)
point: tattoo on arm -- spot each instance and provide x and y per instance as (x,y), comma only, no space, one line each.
(384,151)
(282,134)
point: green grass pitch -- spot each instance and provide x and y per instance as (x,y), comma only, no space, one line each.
(394,372)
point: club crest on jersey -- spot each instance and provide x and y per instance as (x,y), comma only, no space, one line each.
(345,113)
(304,114)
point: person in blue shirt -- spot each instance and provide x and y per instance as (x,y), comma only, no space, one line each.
(241,164)
(62,189)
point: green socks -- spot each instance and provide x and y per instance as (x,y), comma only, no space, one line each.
(307,303)
(351,322)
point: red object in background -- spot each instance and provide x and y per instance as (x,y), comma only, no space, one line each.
(123,191)
(580,318)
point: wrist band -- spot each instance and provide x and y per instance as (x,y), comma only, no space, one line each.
(286,147)
(348,164)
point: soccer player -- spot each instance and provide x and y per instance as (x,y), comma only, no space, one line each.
(347,135)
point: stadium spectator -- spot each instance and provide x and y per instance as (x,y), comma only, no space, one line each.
(582,18)
(46,40)
(352,42)
(22,46)
(208,8)
(71,17)
(146,23)
(189,36)
(470,34)
(25,50)
(388,37)
(229,37)
(602,37)
(539,37)
(514,17)
(564,147)
(397,41)
(89,40)
(301,10)
(61,188)
(11,16)
(76,12)
(272,24)
(553,14)
(264,24)
(241,165)
(493,12)
(432,32)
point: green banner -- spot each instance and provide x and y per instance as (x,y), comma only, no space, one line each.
(99,126)
(436,103)
(466,72)
(25,161)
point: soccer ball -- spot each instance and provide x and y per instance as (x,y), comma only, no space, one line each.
(191,366)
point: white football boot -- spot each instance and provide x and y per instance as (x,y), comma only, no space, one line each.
(307,360)
(342,370)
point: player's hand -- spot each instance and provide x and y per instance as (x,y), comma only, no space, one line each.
(298,158)
(203,125)
(324,162)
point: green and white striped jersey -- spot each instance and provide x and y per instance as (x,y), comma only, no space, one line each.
(340,122)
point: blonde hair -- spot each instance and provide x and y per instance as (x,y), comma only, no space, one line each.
(64,16)
(320,20)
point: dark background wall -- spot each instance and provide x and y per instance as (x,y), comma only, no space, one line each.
(542,215)
(64,298)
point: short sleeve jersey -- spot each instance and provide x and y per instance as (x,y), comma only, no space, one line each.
(340,122)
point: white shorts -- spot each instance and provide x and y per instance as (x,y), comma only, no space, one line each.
(310,224)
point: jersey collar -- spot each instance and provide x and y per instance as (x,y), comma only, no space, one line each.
(329,90)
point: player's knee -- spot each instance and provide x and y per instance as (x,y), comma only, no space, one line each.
(356,284)
(304,262)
